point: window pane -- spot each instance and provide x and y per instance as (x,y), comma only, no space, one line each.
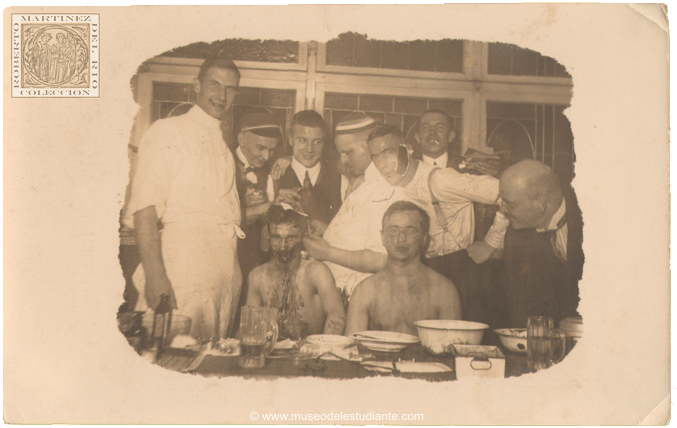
(422,55)
(340,50)
(280,51)
(450,56)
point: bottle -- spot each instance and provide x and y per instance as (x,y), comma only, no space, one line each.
(162,323)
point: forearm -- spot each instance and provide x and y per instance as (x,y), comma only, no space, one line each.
(148,241)
(496,233)
(362,261)
(335,323)
(256,213)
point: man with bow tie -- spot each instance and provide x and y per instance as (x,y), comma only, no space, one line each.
(258,135)
(543,245)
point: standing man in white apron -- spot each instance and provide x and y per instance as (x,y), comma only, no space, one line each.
(185,181)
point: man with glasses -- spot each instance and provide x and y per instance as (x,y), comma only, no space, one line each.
(185,182)
(405,290)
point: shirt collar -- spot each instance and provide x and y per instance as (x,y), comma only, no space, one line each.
(197,114)
(300,171)
(559,214)
(242,157)
(441,160)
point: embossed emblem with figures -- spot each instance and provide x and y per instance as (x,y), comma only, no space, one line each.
(55,55)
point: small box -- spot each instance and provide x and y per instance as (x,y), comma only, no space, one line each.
(482,361)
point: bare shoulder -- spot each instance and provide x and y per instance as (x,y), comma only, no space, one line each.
(258,274)
(366,288)
(315,267)
(439,283)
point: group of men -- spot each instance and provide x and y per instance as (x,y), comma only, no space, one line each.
(375,243)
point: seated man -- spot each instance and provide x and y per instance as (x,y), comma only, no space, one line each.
(543,245)
(303,291)
(405,290)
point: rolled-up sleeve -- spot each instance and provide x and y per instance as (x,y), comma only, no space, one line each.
(448,185)
(152,178)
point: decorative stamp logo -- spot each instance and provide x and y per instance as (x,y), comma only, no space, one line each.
(55,55)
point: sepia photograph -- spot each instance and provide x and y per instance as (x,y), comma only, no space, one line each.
(400,215)
(313,144)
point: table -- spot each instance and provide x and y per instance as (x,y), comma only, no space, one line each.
(213,365)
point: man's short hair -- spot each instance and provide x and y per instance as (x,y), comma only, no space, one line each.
(310,119)
(219,61)
(383,130)
(278,215)
(399,206)
(450,121)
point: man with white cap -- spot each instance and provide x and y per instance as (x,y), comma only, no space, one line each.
(185,179)
(352,245)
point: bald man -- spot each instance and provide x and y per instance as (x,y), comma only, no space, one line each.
(543,245)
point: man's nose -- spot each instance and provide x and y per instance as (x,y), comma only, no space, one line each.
(266,155)
(344,158)
(402,236)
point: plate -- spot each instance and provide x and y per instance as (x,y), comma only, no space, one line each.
(321,343)
(385,341)
(406,367)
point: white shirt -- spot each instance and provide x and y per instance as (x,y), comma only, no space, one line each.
(562,232)
(456,193)
(357,225)
(300,170)
(270,187)
(441,161)
(186,172)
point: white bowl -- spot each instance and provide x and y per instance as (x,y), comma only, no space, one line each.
(385,341)
(513,339)
(439,336)
(329,342)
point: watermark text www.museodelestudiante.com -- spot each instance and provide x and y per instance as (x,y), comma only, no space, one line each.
(55,55)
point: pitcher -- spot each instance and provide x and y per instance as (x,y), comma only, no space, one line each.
(259,334)
(540,340)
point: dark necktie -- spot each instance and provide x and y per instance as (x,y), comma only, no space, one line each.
(552,237)
(306,181)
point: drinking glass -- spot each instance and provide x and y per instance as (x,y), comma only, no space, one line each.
(259,334)
(541,335)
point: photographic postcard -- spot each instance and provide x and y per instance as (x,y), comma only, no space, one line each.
(74,111)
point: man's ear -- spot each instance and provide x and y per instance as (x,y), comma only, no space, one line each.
(541,203)
(240,138)
(383,239)
(196,85)
(417,138)
(452,135)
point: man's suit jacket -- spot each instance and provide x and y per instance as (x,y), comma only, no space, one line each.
(249,248)
(538,282)
(326,193)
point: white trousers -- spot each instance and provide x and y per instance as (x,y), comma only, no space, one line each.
(202,265)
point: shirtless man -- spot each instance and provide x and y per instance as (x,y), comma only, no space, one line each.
(405,290)
(303,291)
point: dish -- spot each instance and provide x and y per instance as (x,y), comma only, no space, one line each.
(406,367)
(439,336)
(513,339)
(322,343)
(385,341)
